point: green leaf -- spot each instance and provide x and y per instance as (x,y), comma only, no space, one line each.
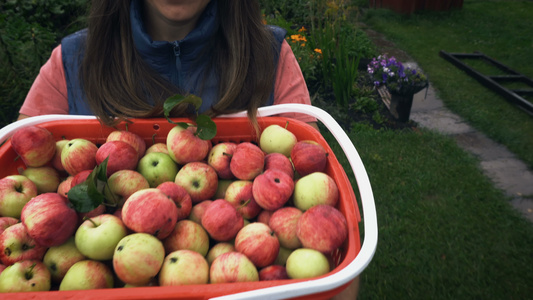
(206,128)
(173,101)
(89,194)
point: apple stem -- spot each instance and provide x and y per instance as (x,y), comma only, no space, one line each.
(153,138)
(90,220)
(286,124)
(29,273)
(227,154)
(245,203)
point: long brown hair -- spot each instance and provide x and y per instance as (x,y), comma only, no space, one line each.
(118,83)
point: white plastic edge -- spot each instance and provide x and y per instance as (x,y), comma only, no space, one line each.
(333,281)
(369,244)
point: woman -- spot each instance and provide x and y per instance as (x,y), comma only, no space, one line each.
(136,53)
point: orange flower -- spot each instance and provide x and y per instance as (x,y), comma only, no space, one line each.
(298,38)
(319,51)
(302,29)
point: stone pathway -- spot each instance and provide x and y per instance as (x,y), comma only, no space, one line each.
(507,172)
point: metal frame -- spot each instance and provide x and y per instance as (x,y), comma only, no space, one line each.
(493,82)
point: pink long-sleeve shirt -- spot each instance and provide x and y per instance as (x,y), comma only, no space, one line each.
(48,94)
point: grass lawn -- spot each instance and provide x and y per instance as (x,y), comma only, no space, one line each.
(444,231)
(500,29)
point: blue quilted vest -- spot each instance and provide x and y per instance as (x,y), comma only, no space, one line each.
(178,61)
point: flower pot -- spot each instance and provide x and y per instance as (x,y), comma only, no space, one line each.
(400,106)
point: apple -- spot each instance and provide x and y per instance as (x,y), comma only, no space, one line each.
(272,189)
(15,192)
(279,161)
(180,196)
(45,178)
(2,268)
(259,243)
(78,154)
(275,138)
(308,157)
(232,267)
(264,216)
(157,147)
(120,156)
(273,272)
(97,237)
(198,210)
(222,221)
(87,275)
(323,228)
(122,184)
(184,267)
(100,209)
(17,245)
(187,235)
(314,189)
(222,187)
(247,162)
(306,263)
(64,186)
(150,211)
(157,167)
(199,179)
(79,178)
(239,194)
(135,140)
(284,223)
(58,259)
(218,249)
(138,258)
(282,256)
(49,219)
(56,160)
(5,222)
(185,147)
(25,276)
(219,158)
(35,145)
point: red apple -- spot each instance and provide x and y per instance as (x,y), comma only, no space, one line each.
(78,155)
(264,216)
(15,192)
(308,157)
(259,243)
(185,147)
(150,211)
(135,140)
(199,179)
(187,235)
(64,186)
(247,161)
(272,189)
(198,210)
(120,156)
(122,184)
(222,221)
(219,158)
(56,160)
(219,249)
(284,223)
(279,161)
(45,178)
(35,145)
(232,267)
(17,245)
(273,272)
(5,222)
(180,196)
(79,177)
(322,228)
(157,147)
(49,219)
(239,194)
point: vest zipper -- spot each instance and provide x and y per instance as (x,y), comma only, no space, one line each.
(177,53)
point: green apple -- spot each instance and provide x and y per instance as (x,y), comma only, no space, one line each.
(97,237)
(157,167)
(184,267)
(58,259)
(45,178)
(78,155)
(306,263)
(218,249)
(282,256)
(25,276)
(87,275)
(277,139)
(314,189)
(15,192)
(138,258)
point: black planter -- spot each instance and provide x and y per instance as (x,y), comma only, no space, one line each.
(400,106)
